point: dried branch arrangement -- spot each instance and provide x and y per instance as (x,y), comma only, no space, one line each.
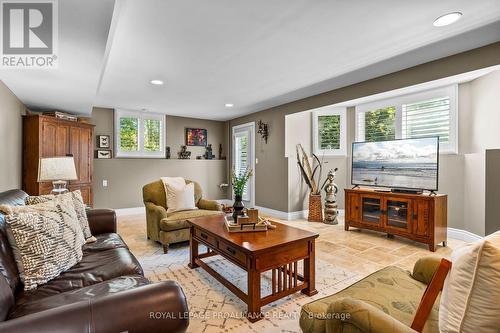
(311,174)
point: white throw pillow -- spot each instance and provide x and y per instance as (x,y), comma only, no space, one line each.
(79,205)
(470,301)
(46,239)
(180,198)
(178,182)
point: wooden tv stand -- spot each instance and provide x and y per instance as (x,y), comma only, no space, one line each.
(419,217)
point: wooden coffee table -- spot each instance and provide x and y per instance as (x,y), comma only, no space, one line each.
(278,250)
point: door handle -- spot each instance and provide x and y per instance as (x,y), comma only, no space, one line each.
(230,250)
(203,235)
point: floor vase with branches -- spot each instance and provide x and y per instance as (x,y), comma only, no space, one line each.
(312,177)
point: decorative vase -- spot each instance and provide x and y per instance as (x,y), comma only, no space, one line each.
(237,207)
(315,208)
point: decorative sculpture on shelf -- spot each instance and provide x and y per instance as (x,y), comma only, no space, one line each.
(208,153)
(184,154)
(167,151)
(331,190)
(221,156)
(263,130)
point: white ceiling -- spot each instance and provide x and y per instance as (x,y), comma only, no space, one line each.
(255,54)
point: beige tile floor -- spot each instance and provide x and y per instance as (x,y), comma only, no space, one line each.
(360,251)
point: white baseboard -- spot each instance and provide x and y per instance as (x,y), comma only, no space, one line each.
(130,211)
(463,235)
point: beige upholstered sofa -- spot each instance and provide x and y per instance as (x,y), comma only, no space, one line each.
(383,302)
(174,227)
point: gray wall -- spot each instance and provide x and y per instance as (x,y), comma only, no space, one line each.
(126,176)
(272,171)
(11,138)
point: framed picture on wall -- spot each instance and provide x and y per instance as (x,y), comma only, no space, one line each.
(103,141)
(103,154)
(196,137)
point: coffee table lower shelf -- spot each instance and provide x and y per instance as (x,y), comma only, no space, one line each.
(282,261)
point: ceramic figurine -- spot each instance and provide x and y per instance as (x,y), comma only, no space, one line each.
(184,154)
(208,153)
(331,190)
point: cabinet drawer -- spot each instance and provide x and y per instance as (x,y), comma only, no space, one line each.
(208,239)
(232,252)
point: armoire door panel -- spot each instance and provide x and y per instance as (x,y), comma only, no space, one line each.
(62,140)
(49,138)
(85,158)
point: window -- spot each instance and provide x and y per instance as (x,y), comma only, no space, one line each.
(139,134)
(430,113)
(329,134)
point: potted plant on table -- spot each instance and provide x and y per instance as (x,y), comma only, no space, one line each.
(239,181)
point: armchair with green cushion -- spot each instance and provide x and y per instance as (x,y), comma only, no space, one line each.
(174,227)
(385,301)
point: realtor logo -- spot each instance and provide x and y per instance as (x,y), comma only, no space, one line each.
(29,33)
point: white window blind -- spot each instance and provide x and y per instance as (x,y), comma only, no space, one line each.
(329,131)
(377,125)
(241,163)
(427,118)
(424,114)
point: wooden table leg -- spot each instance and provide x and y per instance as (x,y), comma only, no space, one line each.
(193,250)
(310,271)
(253,302)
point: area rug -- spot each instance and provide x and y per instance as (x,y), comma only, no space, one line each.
(213,308)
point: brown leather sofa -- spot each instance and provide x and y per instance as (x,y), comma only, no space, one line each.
(105,292)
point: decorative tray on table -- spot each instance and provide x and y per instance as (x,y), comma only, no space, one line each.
(231,226)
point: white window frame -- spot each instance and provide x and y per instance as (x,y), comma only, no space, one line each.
(330,111)
(250,127)
(141,116)
(451,91)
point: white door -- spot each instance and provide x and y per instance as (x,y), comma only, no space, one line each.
(244,158)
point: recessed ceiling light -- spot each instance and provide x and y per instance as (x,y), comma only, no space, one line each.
(447,19)
(229,105)
(157,82)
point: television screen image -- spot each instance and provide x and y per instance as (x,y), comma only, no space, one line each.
(405,164)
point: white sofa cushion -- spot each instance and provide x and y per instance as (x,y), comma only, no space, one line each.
(470,300)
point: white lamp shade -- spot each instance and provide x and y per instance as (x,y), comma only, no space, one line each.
(56,168)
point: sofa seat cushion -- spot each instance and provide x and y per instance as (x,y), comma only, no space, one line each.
(105,242)
(178,220)
(390,289)
(95,267)
(32,304)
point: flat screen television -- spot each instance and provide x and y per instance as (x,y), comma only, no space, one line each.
(410,164)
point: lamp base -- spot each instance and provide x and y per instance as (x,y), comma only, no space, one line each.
(59,187)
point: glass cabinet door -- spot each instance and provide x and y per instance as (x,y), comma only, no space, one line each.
(371,210)
(398,214)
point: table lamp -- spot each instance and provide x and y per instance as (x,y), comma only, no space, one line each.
(58,170)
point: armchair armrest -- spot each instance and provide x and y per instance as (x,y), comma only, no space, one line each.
(151,308)
(101,221)
(209,205)
(363,316)
(425,267)
(159,211)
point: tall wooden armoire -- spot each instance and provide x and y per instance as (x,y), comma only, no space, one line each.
(47,136)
